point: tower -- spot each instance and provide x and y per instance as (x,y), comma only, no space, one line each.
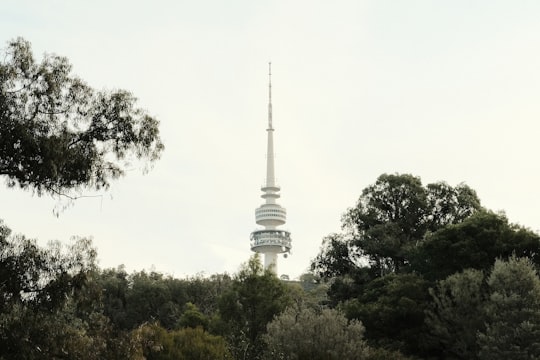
(270,241)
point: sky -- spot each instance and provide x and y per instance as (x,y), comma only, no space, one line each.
(444,90)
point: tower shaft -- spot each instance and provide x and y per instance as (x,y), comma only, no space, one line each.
(270,176)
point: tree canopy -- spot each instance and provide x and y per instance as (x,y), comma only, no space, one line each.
(512,312)
(303,334)
(254,298)
(410,266)
(389,219)
(474,243)
(58,134)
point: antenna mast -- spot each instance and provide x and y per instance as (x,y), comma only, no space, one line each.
(270,95)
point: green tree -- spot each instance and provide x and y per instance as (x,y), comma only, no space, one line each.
(156,343)
(130,300)
(392,310)
(306,334)
(60,135)
(389,219)
(474,243)
(114,285)
(205,292)
(373,267)
(192,317)
(38,277)
(512,312)
(149,299)
(337,257)
(449,205)
(456,315)
(255,297)
(50,305)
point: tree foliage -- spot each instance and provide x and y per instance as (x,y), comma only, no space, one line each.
(156,343)
(41,278)
(402,238)
(60,135)
(337,257)
(193,318)
(56,304)
(474,243)
(456,314)
(130,300)
(253,300)
(433,277)
(392,309)
(512,312)
(49,305)
(390,217)
(307,334)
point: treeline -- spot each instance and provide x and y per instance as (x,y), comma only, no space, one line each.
(57,304)
(417,273)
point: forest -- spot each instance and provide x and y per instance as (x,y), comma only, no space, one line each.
(416,271)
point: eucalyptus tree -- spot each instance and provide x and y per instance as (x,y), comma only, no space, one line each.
(389,219)
(254,298)
(59,135)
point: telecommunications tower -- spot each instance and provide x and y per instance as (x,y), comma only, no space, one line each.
(270,241)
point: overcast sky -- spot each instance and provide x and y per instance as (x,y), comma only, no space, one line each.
(445,90)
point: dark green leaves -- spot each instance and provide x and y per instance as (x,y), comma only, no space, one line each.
(58,134)
(390,218)
(474,243)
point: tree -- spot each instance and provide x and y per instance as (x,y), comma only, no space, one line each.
(372,267)
(130,300)
(306,334)
(205,292)
(474,243)
(41,278)
(114,286)
(192,317)
(456,314)
(58,134)
(253,300)
(449,205)
(387,219)
(337,257)
(512,312)
(149,299)
(392,310)
(471,318)
(390,217)
(155,343)
(49,305)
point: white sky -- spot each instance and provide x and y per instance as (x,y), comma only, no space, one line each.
(442,90)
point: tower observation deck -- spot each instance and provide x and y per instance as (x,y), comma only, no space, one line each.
(270,240)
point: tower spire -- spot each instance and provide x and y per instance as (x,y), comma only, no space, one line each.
(270,241)
(270,177)
(270,95)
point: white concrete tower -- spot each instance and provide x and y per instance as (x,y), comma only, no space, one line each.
(270,241)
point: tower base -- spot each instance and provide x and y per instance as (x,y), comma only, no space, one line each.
(270,262)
